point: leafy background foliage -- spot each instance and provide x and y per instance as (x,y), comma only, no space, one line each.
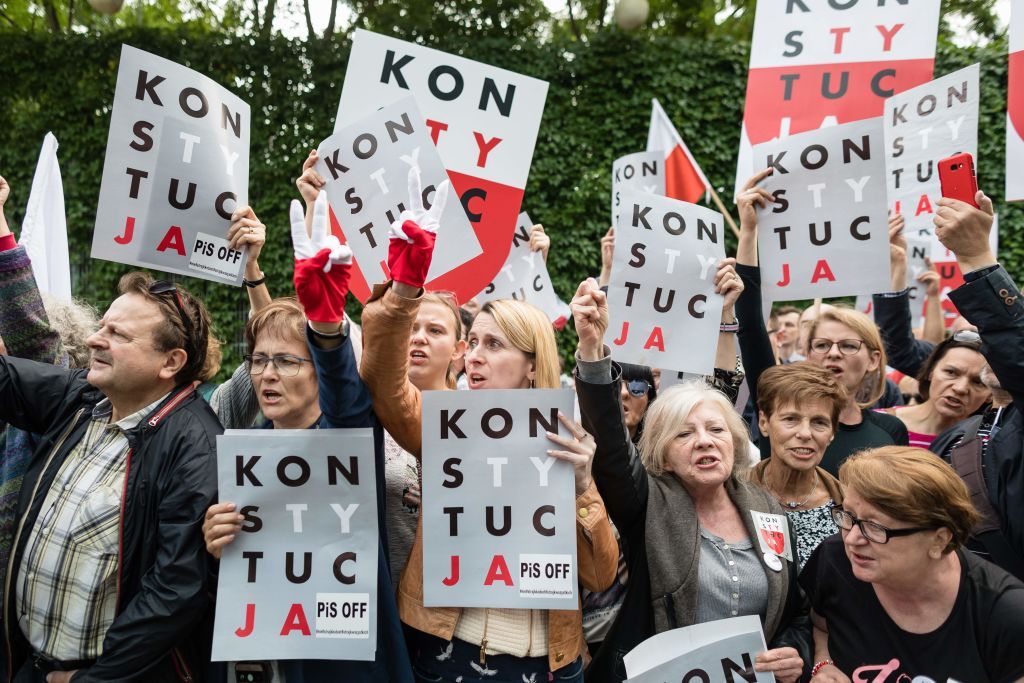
(597,109)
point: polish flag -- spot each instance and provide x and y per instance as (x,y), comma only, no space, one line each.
(1015,106)
(683,178)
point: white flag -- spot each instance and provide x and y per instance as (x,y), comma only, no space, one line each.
(44,232)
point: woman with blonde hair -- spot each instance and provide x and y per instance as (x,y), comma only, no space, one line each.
(683,509)
(895,597)
(843,341)
(511,345)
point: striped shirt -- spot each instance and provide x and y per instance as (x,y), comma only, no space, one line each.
(67,581)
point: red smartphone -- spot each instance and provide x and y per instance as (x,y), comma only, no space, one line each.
(956,176)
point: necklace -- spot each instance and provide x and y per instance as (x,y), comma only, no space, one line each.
(792,504)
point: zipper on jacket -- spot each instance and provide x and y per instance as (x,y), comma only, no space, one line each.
(17,534)
(180,667)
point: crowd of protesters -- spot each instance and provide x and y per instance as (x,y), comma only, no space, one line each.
(904,559)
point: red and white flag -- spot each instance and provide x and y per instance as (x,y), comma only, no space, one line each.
(1015,106)
(683,178)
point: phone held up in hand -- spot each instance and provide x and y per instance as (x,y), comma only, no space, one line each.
(957,178)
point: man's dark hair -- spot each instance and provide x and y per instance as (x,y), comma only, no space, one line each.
(193,336)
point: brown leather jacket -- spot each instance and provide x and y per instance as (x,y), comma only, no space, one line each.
(387,320)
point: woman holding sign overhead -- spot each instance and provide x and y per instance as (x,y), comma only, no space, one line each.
(511,345)
(843,341)
(702,544)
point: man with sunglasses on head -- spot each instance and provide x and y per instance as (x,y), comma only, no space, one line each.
(107,579)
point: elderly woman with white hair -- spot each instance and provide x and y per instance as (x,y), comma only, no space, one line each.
(683,510)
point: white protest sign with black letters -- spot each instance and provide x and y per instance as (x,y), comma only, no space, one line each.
(484,121)
(662,305)
(499,517)
(176,167)
(922,126)
(827,233)
(642,171)
(720,651)
(815,64)
(366,166)
(525,277)
(300,580)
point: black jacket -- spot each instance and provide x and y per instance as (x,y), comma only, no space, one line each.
(990,300)
(170,481)
(622,481)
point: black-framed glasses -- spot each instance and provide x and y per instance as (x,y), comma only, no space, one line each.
(161,287)
(287,365)
(874,532)
(847,347)
(638,387)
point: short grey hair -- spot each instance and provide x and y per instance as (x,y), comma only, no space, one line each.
(73,321)
(661,424)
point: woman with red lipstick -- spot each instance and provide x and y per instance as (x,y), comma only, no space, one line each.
(798,412)
(684,510)
(895,596)
(511,345)
(950,384)
(841,340)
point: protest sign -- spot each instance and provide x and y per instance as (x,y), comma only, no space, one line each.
(300,580)
(713,652)
(922,126)
(642,171)
(366,165)
(661,298)
(814,64)
(484,122)
(1015,106)
(524,277)
(499,517)
(176,168)
(827,233)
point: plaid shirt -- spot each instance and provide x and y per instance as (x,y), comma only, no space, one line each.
(67,583)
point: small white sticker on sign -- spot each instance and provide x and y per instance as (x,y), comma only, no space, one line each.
(546,576)
(342,615)
(211,254)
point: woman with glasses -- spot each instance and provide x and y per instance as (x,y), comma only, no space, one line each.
(950,387)
(798,412)
(895,596)
(841,340)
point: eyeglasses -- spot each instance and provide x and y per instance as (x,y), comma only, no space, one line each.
(847,347)
(161,287)
(876,533)
(638,387)
(287,365)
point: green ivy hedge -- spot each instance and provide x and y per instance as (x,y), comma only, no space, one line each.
(598,108)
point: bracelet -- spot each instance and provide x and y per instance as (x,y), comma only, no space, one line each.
(254,283)
(732,327)
(343,330)
(821,665)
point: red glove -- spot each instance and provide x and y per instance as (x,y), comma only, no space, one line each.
(410,261)
(323,265)
(322,294)
(414,233)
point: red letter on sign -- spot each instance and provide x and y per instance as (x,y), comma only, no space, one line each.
(295,621)
(784,282)
(498,572)
(485,147)
(129,230)
(923,206)
(822,271)
(250,621)
(435,129)
(453,578)
(622,337)
(656,339)
(173,240)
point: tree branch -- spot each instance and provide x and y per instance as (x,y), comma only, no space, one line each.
(330,23)
(572,22)
(51,16)
(268,19)
(309,20)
